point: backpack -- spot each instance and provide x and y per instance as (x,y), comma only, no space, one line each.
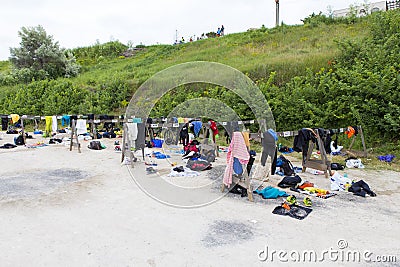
(208,152)
(95,145)
(285,165)
(19,141)
(198,165)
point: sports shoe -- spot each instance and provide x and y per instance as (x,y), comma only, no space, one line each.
(307,201)
(291,199)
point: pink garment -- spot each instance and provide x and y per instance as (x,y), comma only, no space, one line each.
(237,149)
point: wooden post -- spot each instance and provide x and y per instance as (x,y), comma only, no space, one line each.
(23,130)
(72,135)
(77,141)
(74,131)
(360,132)
(123,145)
(362,140)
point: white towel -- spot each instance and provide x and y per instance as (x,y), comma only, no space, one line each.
(54,124)
(81,126)
(132,131)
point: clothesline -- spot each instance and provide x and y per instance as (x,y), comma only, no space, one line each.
(118,118)
(294,133)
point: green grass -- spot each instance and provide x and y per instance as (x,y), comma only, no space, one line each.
(288,50)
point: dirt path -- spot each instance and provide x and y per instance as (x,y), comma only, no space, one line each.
(62,208)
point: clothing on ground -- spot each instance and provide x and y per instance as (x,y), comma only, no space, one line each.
(271,192)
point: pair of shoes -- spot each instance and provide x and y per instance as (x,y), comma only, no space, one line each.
(292,200)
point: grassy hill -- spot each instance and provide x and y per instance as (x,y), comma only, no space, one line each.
(288,50)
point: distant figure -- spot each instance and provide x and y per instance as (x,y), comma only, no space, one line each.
(222,30)
(182,40)
(191,39)
(219,32)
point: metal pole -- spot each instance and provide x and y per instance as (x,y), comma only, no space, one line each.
(277,13)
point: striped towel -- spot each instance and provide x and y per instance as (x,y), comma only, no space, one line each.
(237,149)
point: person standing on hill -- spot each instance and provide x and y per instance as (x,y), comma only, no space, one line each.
(222,30)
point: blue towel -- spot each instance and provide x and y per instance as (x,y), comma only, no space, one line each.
(271,192)
(273,133)
(65,120)
(196,126)
(237,166)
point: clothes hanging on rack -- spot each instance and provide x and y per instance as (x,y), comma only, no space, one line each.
(73,117)
(213,127)
(81,126)
(184,135)
(49,121)
(301,141)
(4,122)
(141,136)
(14,118)
(54,124)
(132,131)
(65,119)
(230,127)
(237,149)
(196,128)
(268,143)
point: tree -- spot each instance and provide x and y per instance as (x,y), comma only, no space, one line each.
(39,57)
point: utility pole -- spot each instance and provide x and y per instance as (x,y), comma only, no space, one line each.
(277,13)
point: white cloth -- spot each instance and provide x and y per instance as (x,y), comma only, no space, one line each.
(335,150)
(81,126)
(132,131)
(354,163)
(338,182)
(187,172)
(54,124)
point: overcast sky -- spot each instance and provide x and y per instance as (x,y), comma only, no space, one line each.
(76,23)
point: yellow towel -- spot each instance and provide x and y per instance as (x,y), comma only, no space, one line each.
(246,137)
(14,117)
(49,121)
